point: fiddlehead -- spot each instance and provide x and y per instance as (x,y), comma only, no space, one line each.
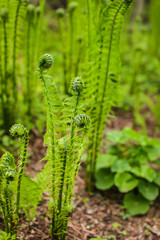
(82,121)
(45,62)
(60,13)
(77,86)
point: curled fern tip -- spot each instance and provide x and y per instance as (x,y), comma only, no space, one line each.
(77,85)
(17,130)
(60,13)
(4,13)
(82,121)
(72,6)
(46,61)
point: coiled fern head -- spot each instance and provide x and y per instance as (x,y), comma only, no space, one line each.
(82,121)
(10,174)
(30,11)
(7,160)
(7,165)
(60,13)
(77,85)
(45,61)
(4,13)
(18,130)
(72,6)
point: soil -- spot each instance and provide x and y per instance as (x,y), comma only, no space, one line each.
(97,215)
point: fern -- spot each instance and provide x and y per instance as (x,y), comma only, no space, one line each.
(18,16)
(104,74)
(8,175)
(66,134)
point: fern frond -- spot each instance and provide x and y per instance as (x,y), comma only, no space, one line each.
(104,72)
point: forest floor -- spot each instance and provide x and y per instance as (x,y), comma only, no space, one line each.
(99,215)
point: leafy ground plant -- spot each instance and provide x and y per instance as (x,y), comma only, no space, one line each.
(132,165)
(67,129)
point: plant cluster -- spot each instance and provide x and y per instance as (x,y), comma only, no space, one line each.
(132,165)
(10,182)
(67,129)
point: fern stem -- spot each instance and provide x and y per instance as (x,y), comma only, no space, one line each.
(28,69)
(26,139)
(67,197)
(91,154)
(88,11)
(61,35)
(62,178)
(78,60)
(14,53)
(8,209)
(6,111)
(2,204)
(52,147)
(70,48)
(5,57)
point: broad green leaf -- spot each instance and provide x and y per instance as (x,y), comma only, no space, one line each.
(145,172)
(120,166)
(113,149)
(125,182)
(105,161)
(104,179)
(153,153)
(148,190)
(117,137)
(135,204)
(141,156)
(157,179)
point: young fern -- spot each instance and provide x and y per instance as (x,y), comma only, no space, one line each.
(5,94)
(66,144)
(45,63)
(20,131)
(8,175)
(104,75)
(19,6)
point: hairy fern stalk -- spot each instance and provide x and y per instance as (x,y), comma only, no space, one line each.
(103,73)
(67,129)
